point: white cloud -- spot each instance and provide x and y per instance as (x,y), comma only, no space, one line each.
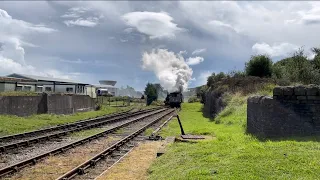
(155,25)
(89,22)
(13,26)
(194,60)
(81,16)
(307,17)
(199,51)
(75,12)
(11,33)
(268,22)
(202,79)
(310,55)
(8,66)
(128,30)
(123,40)
(276,50)
(222,25)
(183,52)
(12,53)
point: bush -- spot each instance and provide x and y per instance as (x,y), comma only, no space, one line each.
(297,69)
(193,99)
(260,65)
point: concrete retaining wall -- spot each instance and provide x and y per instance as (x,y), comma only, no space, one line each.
(21,105)
(293,111)
(53,104)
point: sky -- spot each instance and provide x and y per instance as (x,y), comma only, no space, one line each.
(89,41)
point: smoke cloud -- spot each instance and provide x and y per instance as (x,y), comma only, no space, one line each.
(170,68)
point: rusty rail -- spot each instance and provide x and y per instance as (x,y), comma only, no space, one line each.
(79,170)
(28,142)
(16,167)
(58,127)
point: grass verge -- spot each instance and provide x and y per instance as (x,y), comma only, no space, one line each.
(14,124)
(233,154)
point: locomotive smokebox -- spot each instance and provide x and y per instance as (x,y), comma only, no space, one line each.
(174,99)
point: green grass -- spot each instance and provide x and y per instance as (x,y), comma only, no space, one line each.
(14,124)
(233,154)
(148,131)
(19,93)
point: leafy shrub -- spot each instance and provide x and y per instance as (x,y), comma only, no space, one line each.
(260,65)
(297,69)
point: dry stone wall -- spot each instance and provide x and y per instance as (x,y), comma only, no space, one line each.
(292,111)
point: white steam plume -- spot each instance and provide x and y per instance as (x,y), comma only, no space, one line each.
(170,68)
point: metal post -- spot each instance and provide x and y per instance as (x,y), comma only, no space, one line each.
(181,128)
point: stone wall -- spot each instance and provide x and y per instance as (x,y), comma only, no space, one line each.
(53,104)
(292,111)
(213,103)
(21,105)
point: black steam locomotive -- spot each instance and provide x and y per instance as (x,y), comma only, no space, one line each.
(174,99)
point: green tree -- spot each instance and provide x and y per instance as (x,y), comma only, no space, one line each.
(260,65)
(316,59)
(151,93)
(215,78)
(298,68)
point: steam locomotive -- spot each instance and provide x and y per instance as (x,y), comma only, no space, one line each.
(174,99)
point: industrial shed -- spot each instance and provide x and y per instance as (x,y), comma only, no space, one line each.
(43,84)
(16,84)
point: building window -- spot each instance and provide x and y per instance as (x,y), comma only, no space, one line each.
(80,89)
(48,89)
(27,88)
(18,88)
(39,88)
(69,90)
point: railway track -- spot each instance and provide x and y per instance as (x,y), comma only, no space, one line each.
(66,129)
(119,149)
(58,127)
(31,161)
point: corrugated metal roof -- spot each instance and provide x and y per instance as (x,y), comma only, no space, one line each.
(41,78)
(12,79)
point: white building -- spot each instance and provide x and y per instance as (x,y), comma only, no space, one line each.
(106,85)
(44,84)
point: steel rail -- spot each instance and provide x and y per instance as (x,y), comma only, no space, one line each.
(31,161)
(58,127)
(38,139)
(79,170)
